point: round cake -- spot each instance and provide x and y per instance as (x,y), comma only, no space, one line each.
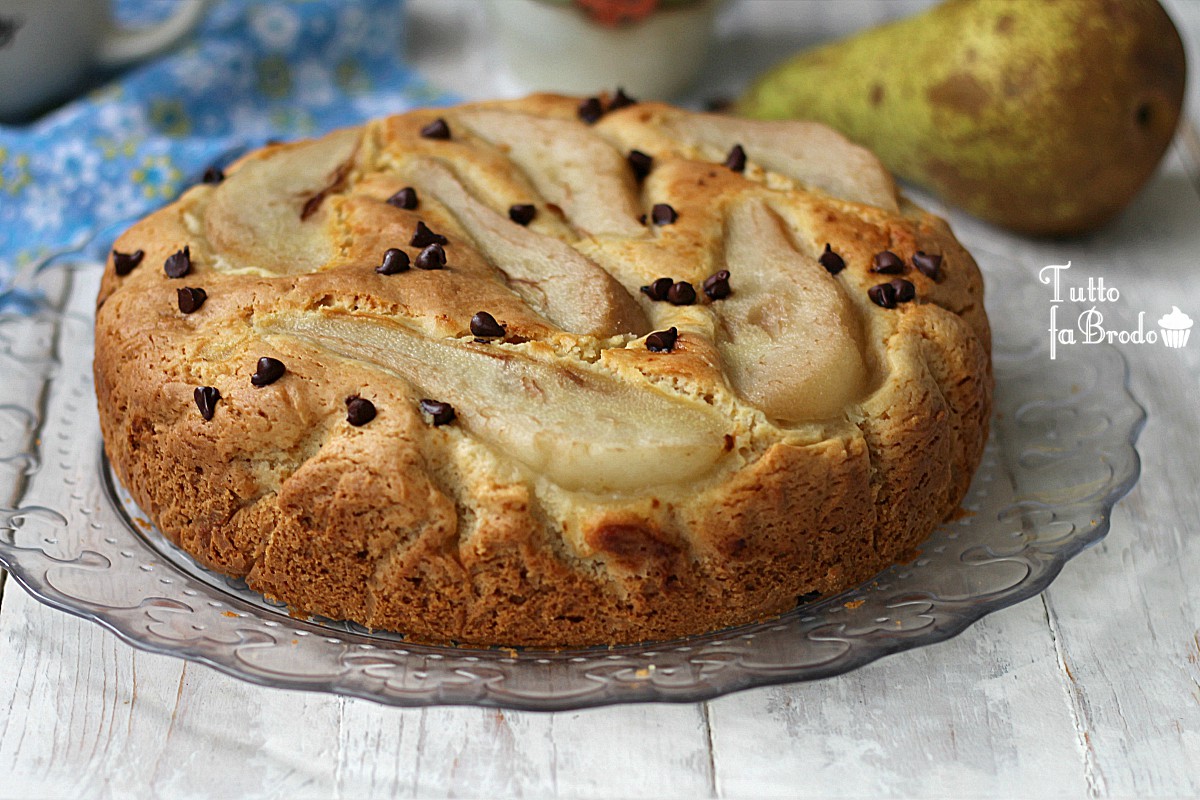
(546,372)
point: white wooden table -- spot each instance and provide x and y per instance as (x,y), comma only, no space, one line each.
(1093,688)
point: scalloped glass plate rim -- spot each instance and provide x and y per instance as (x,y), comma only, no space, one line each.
(953,617)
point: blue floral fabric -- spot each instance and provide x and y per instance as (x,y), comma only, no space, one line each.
(255,70)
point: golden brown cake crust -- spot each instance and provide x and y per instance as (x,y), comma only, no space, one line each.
(798,438)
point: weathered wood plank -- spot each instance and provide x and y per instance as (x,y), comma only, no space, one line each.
(89,716)
(1128,620)
(632,751)
(981,715)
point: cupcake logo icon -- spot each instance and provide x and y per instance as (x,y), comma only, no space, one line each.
(1176,327)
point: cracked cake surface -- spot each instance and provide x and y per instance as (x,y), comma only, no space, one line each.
(506,373)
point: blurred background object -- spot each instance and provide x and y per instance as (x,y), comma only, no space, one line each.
(50,48)
(651,48)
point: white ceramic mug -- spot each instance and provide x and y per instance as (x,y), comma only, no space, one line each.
(48,47)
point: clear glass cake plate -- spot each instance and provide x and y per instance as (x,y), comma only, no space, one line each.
(1061,454)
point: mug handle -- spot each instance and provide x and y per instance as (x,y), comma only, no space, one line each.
(123,46)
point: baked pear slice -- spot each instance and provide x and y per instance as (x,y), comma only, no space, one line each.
(286,187)
(569,166)
(788,335)
(558,281)
(582,429)
(807,152)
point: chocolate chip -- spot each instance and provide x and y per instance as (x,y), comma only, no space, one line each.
(394,260)
(439,413)
(438,129)
(213,175)
(620,100)
(406,198)
(206,400)
(269,370)
(807,597)
(190,299)
(928,264)
(904,290)
(663,214)
(831,261)
(522,213)
(681,293)
(640,163)
(736,160)
(484,326)
(359,411)
(590,110)
(887,262)
(883,294)
(716,286)
(657,290)
(423,236)
(432,257)
(124,263)
(662,341)
(179,263)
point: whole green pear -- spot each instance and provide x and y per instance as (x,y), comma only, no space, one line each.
(1042,116)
